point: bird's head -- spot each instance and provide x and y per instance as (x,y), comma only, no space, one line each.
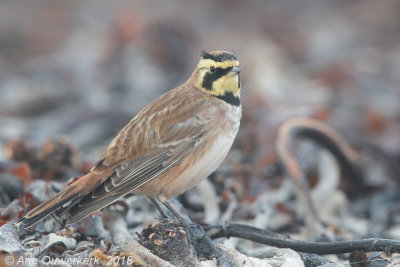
(217,74)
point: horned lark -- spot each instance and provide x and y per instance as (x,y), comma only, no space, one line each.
(167,148)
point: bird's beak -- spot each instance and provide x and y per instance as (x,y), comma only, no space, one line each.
(235,70)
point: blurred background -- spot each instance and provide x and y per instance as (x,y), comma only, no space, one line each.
(84,68)
(76,72)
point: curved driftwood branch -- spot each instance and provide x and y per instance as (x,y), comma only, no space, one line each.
(281,241)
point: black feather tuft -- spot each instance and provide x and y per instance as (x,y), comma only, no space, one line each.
(204,53)
(218,57)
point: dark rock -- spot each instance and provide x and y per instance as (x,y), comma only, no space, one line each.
(169,242)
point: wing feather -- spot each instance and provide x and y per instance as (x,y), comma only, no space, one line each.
(110,191)
(177,142)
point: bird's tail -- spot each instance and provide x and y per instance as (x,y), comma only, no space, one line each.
(64,200)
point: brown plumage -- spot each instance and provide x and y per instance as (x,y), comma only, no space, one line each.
(167,148)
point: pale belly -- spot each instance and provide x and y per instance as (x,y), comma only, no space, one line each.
(198,166)
(179,178)
(203,168)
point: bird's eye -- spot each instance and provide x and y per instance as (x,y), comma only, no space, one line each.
(212,69)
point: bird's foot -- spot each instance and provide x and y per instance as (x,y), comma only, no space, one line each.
(197,237)
(205,247)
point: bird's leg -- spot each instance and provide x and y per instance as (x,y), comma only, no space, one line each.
(200,240)
(163,211)
(195,230)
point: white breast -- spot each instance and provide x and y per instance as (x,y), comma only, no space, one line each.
(204,167)
(211,159)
